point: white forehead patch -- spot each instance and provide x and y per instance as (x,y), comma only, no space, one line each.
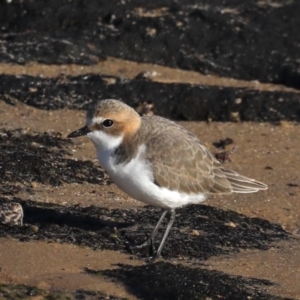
(97,120)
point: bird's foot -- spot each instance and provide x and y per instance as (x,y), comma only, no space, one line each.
(153,258)
(145,244)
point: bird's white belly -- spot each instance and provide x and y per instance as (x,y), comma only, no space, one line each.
(136,179)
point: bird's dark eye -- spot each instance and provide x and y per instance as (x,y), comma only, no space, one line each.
(108,123)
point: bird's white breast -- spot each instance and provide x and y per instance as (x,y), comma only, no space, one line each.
(135,176)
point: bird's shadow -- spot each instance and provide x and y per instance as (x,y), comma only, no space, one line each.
(199,231)
(164,280)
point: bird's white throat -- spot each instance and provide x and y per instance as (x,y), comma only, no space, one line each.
(104,141)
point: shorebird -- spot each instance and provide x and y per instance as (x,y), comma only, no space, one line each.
(157,161)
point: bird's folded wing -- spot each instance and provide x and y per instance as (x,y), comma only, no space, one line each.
(185,165)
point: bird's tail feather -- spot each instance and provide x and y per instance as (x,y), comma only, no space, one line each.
(242,184)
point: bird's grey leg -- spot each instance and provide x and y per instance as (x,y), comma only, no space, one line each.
(169,226)
(150,240)
(155,231)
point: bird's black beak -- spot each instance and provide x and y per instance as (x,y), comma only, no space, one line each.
(80,132)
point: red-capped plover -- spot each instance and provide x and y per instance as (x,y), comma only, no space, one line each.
(157,161)
(11,213)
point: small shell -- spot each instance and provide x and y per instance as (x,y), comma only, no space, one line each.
(11,213)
